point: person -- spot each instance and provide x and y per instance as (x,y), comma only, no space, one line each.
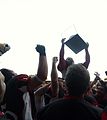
(64,63)
(73,106)
(20,102)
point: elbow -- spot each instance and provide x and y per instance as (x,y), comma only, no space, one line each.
(42,77)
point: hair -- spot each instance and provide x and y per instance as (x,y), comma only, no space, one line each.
(69,61)
(77,79)
(8,74)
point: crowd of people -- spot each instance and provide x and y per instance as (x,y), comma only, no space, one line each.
(70,97)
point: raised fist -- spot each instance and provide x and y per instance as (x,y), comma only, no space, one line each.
(55,59)
(40,49)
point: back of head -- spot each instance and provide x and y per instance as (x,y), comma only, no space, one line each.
(77,79)
(69,61)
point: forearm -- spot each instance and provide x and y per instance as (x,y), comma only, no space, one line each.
(62,62)
(87,58)
(54,81)
(42,71)
(61,55)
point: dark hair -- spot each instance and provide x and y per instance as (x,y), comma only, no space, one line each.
(8,74)
(106,72)
(69,61)
(77,79)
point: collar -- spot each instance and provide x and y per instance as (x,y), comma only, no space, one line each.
(73,97)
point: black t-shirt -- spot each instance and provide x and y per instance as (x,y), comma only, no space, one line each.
(67,109)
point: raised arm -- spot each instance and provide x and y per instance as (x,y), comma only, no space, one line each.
(42,71)
(62,63)
(87,58)
(54,78)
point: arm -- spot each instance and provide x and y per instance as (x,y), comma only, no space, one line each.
(54,78)
(96,79)
(42,71)
(39,96)
(87,58)
(62,63)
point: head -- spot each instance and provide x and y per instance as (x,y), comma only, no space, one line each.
(69,61)
(8,74)
(4,48)
(77,80)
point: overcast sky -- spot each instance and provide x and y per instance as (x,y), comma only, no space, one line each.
(26,23)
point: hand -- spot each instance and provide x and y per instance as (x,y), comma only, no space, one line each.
(87,45)
(97,74)
(40,49)
(55,59)
(63,39)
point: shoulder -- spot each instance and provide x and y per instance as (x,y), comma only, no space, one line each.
(93,109)
(49,107)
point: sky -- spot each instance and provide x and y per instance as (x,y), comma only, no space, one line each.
(26,23)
